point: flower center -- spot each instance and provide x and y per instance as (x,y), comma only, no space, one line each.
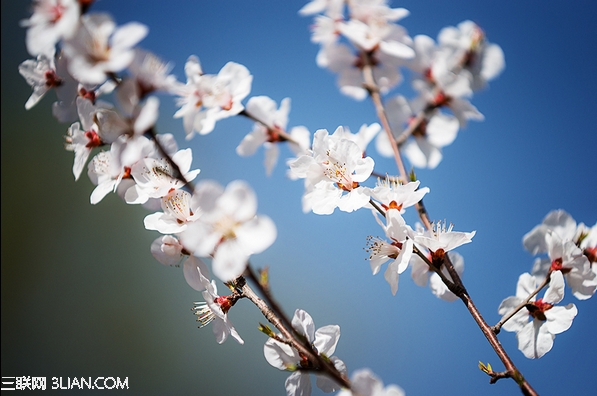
(94,139)
(557,265)
(537,309)
(52,79)
(226,226)
(338,172)
(224,302)
(591,254)
(392,205)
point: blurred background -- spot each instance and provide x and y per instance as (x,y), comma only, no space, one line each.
(83,297)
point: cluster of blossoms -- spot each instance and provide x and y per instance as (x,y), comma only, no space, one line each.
(432,247)
(279,354)
(83,56)
(571,256)
(365,33)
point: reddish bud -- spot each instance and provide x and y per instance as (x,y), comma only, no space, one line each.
(224,302)
(441,99)
(52,79)
(428,74)
(556,265)
(94,139)
(87,94)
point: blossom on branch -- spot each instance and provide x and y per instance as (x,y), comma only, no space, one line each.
(269,130)
(215,309)
(152,74)
(285,357)
(423,275)
(399,249)
(168,250)
(41,74)
(537,324)
(332,171)
(370,29)
(340,59)
(423,148)
(227,227)
(570,248)
(392,195)
(179,208)
(51,21)
(479,60)
(376,42)
(207,98)
(99,48)
(441,239)
(156,177)
(568,258)
(99,125)
(557,221)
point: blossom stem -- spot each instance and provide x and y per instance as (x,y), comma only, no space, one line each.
(416,122)
(498,326)
(525,387)
(377,207)
(299,343)
(456,286)
(373,89)
(267,295)
(177,173)
(449,284)
(283,135)
(413,125)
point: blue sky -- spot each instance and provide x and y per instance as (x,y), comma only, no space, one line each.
(82,296)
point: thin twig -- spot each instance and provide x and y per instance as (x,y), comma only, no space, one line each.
(300,344)
(281,134)
(273,304)
(498,326)
(177,173)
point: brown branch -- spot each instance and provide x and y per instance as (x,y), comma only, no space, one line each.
(491,337)
(371,86)
(271,302)
(456,286)
(301,344)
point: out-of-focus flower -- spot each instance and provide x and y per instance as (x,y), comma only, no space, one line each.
(228,227)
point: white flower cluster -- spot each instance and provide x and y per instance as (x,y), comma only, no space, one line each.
(570,250)
(446,72)
(83,56)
